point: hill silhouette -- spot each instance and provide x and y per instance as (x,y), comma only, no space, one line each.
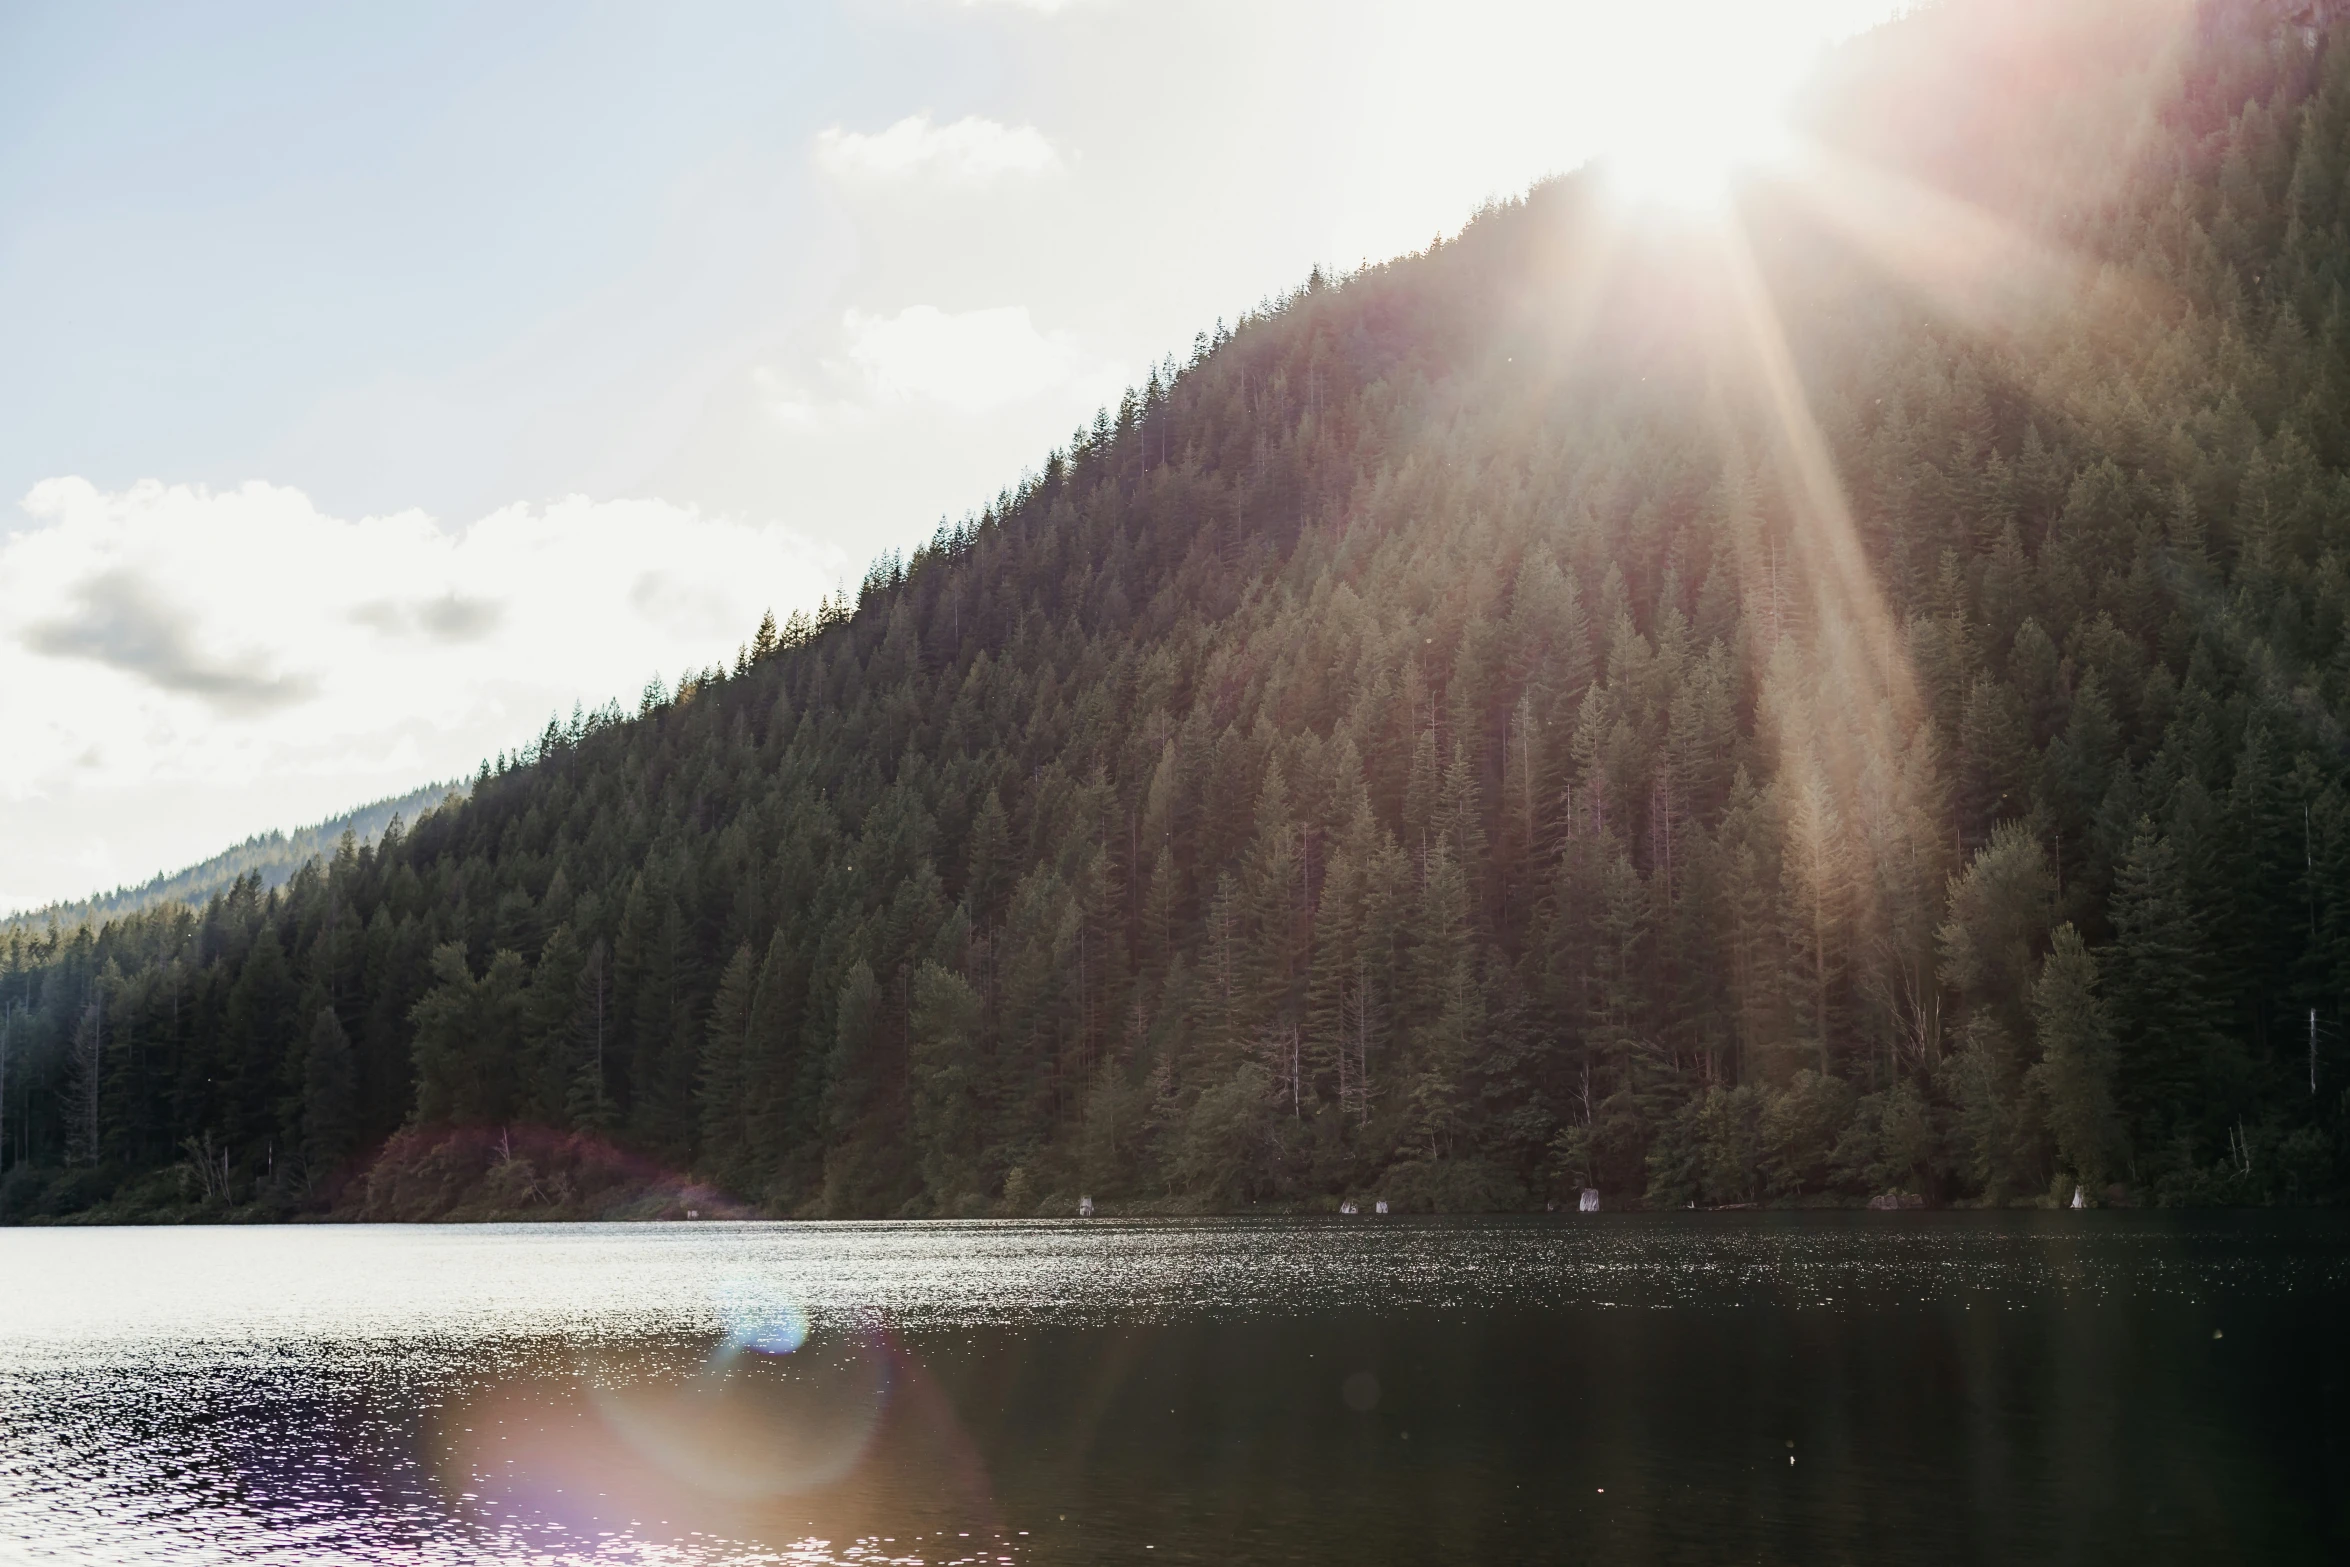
(270,857)
(1841,701)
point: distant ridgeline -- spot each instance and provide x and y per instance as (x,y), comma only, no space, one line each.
(1849,704)
(271,859)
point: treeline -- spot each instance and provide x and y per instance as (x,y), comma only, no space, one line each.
(271,858)
(1591,704)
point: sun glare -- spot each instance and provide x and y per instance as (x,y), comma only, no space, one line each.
(1684,129)
(1690,166)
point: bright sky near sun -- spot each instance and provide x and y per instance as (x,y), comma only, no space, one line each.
(382,379)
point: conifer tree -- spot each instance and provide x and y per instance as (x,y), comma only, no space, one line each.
(2159,967)
(329,1095)
(947,1115)
(2074,1076)
(725,1140)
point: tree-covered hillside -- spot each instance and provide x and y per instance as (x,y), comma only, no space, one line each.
(1843,701)
(271,858)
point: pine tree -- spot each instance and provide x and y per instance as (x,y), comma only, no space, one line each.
(1269,956)
(725,1140)
(985,868)
(587,1098)
(2159,964)
(2074,1076)
(469,1040)
(329,1096)
(772,1124)
(945,1028)
(547,1065)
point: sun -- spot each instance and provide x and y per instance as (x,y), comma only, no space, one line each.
(1689,166)
(1682,132)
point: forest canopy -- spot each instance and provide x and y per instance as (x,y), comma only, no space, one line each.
(1846,697)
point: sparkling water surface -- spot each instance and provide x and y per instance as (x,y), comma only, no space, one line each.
(1622,1388)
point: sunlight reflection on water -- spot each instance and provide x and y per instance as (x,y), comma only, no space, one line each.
(106,1291)
(899,1393)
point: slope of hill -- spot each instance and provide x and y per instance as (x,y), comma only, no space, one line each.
(1847,701)
(271,859)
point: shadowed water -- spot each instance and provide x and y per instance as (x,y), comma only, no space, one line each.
(1701,1388)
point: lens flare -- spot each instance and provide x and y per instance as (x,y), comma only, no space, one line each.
(760,1317)
(750,1427)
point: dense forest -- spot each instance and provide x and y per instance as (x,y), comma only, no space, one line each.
(1843,701)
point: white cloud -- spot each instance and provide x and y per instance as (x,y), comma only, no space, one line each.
(163,637)
(971,361)
(1047,6)
(971,151)
(954,364)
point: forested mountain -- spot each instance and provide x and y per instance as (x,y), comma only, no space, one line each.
(1846,700)
(271,858)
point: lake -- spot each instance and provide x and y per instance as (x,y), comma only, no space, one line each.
(1755,1387)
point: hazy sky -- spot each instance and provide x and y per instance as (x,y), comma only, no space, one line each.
(381,379)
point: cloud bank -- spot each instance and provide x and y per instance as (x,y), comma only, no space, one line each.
(961,365)
(971,151)
(973,360)
(163,638)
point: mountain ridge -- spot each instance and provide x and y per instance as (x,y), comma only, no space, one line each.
(272,857)
(1850,703)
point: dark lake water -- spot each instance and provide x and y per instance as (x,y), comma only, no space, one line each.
(1881,1388)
